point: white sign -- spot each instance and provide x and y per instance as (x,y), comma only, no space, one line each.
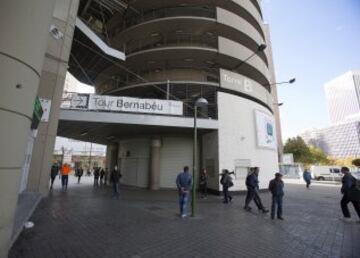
(240,83)
(126,104)
(288,158)
(265,127)
(79,100)
(46,105)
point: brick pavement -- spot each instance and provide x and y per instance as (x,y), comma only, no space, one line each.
(87,222)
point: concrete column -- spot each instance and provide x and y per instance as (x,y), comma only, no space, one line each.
(111,156)
(274,94)
(155,164)
(51,87)
(24,27)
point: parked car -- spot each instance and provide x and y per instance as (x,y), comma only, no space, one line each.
(329,173)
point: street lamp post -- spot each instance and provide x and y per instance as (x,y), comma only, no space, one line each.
(201,102)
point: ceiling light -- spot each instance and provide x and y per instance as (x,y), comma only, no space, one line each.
(84,133)
(188,59)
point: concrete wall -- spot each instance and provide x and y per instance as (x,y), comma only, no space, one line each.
(134,161)
(24,29)
(210,158)
(234,49)
(238,139)
(239,23)
(51,87)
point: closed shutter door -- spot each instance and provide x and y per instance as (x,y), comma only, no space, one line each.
(175,154)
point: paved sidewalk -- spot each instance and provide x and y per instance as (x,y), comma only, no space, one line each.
(87,222)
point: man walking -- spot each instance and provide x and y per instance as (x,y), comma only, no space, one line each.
(307,178)
(276,187)
(252,184)
(184,183)
(66,169)
(53,173)
(79,173)
(350,194)
(226,182)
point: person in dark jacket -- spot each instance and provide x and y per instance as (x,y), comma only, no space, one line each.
(53,173)
(102,174)
(276,187)
(184,184)
(348,183)
(252,185)
(79,173)
(307,178)
(226,182)
(96,176)
(114,178)
(203,183)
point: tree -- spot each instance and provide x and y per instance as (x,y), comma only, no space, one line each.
(318,156)
(356,162)
(299,149)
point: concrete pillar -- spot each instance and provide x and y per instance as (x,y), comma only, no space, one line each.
(51,88)
(111,156)
(274,94)
(24,27)
(154,182)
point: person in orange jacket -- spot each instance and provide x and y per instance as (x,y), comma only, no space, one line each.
(65,171)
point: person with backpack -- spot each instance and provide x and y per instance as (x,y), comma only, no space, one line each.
(184,184)
(351,193)
(53,173)
(307,178)
(226,181)
(252,185)
(276,187)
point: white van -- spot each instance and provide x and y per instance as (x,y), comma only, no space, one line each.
(329,173)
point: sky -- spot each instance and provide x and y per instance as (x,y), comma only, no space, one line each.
(313,41)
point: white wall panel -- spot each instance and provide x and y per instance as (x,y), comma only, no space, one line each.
(237,139)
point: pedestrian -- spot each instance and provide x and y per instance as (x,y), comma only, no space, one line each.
(307,178)
(96,176)
(184,184)
(53,173)
(79,173)
(276,187)
(350,193)
(66,169)
(102,174)
(106,175)
(226,182)
(252,185)
(114,178)
(203,183)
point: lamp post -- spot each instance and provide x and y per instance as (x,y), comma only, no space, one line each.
(260,48)
(291,81)
(200,102)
